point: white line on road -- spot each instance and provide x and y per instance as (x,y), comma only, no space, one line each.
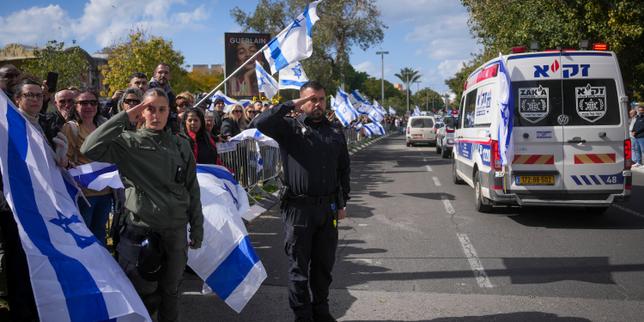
(448,205)
(436,181)
(628,210)
(429,169)
(475,263)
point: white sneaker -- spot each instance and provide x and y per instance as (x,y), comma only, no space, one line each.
(637,165)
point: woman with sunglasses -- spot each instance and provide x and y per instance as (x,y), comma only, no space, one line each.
(234,122)
(84,119)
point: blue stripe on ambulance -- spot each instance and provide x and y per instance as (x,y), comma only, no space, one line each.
(608,179)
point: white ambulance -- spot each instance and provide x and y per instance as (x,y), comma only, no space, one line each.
(569,140)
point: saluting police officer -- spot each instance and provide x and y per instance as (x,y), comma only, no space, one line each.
(316,177)
(162,197)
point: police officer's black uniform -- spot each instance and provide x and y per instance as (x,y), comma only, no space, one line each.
(316,174)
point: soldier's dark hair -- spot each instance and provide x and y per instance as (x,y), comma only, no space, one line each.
(17,89)
(315,85)
(156,91)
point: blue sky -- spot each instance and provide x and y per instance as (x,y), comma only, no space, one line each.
(428,35)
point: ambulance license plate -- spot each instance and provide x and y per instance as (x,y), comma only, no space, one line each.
(535,180)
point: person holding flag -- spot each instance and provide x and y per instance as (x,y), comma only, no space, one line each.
(316,174)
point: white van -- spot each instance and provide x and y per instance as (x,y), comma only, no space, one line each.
(570,145)
(421,129)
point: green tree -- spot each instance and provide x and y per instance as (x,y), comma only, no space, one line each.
(342,25)
(372,88)
(142,54)
(563,24)
(428,99)
(71,64)
(408,76)
(204,81)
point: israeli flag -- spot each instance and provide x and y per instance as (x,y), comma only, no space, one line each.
(97,176)
(294,43)
(416,111)
(265,82)
(220,95)
(74,278)
(343,108)
(254,134)
(504,132)
(376,114)
(293,76)
(361,104)
(392,111)
(373,129)
(226,260)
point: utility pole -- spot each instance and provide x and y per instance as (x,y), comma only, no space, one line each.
(382,79)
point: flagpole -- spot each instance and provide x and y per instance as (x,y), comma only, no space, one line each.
(212,92)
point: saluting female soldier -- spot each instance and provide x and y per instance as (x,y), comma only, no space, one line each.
(162,196)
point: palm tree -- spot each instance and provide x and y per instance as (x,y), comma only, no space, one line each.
(408,76)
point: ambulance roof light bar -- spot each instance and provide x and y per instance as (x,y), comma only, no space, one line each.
(584,44)
(519,49)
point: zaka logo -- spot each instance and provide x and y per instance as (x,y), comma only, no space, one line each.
(568,70)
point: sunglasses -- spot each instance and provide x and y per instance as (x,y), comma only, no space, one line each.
(88,102)
(131,101)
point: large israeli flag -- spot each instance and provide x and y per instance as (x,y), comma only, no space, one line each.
(505,113)
(294,43)
(293,76)
(376,113)
(416,111)
(97,176)
(265,82)
(226,260)
(343,108)
(74,278)
(361,104)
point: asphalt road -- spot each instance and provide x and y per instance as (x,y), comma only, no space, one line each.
(414,249)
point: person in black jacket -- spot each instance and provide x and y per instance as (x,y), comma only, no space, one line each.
(53,122)
(203,144)
(316,176)
(638,131)
(233,123)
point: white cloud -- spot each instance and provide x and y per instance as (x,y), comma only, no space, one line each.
(447,68)
(366,66)
(103,21)
(28,26)
(418,10)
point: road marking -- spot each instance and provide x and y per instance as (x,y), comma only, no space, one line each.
(424,159)
(475,263)
(448,205)
(429,169)
(628,210)
(363,225)
(436,181)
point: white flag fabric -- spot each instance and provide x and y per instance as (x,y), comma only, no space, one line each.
(226,260)
(375,113)
(373,129)
(256,135)
(343,108)
(228,101)
(294,43)
(293,76)
(361,104)
(392,111)
(74,278)
(97,176)
(265,82)
(505,113)
(416,111)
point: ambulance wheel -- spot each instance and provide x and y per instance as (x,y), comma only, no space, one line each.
(455,178)
(481,203)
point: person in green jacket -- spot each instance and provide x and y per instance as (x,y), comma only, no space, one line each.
(158,170)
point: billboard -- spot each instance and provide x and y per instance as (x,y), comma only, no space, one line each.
(239,48)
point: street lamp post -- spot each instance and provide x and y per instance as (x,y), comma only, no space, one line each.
(382,79)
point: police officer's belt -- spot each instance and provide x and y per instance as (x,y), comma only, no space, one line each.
(311,200)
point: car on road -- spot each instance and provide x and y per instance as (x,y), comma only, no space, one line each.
(567,143)
(420,129)
(445,138)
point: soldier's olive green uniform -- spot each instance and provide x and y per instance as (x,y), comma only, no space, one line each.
(162,195)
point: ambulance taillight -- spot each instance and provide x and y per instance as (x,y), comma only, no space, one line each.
(495,156)
(602,46)
(628,154)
